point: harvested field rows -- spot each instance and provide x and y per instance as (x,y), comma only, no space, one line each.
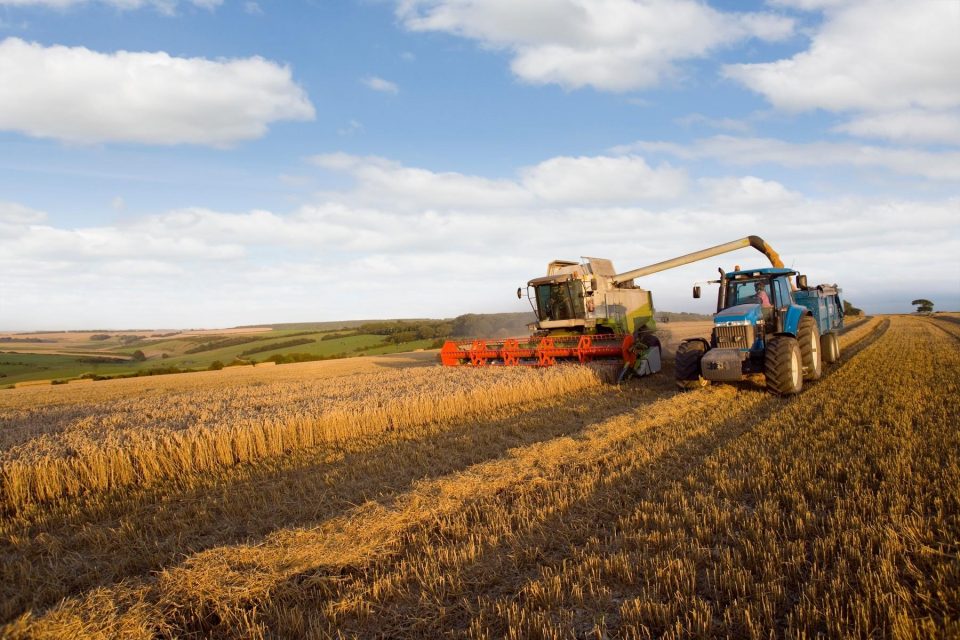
(634,513)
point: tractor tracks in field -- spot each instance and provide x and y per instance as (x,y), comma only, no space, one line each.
(950,326)
(489,566)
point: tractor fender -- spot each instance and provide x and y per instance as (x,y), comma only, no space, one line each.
(706,343)
(791,320)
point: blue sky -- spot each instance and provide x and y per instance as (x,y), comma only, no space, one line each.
(214,163)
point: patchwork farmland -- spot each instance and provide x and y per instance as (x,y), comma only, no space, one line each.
(388,497)
(42,358)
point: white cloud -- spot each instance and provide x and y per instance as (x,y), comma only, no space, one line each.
(753,151)
(13,213)
(565,181)
(252,8)
(82,96)
(811,5)
(916,126)
(592,180)
(894,63)
(164,6)
(749,191)
(379,84)
(614,45)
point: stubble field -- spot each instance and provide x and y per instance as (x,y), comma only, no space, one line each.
(388,500)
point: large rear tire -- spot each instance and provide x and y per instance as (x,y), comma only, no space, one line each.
(782,365)
(809,338)
(687,363)
(830,347)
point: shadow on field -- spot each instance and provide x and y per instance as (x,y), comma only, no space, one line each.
(535,546)
(613,487)
(101,541)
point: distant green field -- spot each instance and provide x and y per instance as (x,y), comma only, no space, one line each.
(67,355)
(22,367)
(170,352)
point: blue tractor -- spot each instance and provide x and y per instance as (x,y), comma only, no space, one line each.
(766,323)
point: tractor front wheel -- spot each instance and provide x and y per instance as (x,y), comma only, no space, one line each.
(782,366)
(687,363)
(809,338)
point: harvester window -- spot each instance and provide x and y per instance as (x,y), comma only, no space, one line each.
(560,301)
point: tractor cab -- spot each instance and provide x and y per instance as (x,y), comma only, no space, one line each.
(758,297)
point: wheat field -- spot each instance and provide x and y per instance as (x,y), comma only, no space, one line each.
(518,503)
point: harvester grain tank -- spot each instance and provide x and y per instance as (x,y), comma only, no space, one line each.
(586,311)
(765,324)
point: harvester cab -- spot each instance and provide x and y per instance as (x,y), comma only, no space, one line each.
(579,297)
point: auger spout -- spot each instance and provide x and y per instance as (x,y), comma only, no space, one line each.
(756,242)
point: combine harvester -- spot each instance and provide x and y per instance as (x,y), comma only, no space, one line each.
(586,312)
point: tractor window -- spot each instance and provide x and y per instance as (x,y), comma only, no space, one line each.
(741,292)
(746,292)
(783,292)
(560,301)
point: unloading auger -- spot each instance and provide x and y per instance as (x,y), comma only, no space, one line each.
(586,312)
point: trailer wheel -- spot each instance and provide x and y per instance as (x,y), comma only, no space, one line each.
(830,347)
(687,363)
(782,365)
(809,338)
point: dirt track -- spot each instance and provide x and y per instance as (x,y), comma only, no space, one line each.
(631,512)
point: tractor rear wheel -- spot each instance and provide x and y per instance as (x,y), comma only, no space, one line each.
(809,338)
(782,366)
(830,347)
(687,363)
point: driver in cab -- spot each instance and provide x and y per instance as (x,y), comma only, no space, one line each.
(762,297)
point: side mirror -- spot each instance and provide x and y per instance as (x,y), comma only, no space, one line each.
(696,291)
(519,293)
(801,282)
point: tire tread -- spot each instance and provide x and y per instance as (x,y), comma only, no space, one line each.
(776,366)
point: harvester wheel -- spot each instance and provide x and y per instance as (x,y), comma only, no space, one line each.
(782,365)
(830,347)
(809,338)
(687,363)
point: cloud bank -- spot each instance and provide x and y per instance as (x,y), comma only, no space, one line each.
(405,241)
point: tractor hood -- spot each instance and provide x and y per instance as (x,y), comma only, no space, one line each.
(740,314)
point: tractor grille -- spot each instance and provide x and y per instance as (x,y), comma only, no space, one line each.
(736,337)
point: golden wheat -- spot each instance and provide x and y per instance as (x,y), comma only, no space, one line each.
(719,512)
(136,437)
